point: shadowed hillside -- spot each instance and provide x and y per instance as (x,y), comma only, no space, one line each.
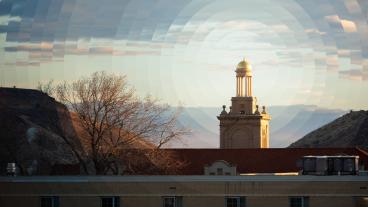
(42,136)
(350,130)
(35,131)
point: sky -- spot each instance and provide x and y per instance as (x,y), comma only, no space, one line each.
(312,52)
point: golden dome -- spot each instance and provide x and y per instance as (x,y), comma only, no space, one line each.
(244,67)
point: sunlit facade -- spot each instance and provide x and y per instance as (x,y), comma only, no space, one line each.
(244,125)
(185,191)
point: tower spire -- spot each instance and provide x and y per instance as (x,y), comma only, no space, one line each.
(243,79)
(244,126)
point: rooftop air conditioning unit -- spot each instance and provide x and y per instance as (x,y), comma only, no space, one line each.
(330,165)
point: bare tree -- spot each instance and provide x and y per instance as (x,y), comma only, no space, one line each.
(48,88)
(114,119)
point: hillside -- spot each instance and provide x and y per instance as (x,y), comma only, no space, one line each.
(41,135)
(350,130)
(34,131)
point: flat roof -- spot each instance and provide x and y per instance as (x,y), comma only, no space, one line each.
(242,178)
(331,156)
(258,160)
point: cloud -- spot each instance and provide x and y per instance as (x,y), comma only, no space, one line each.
(250,25)
(43,46)
(281,28)
(332,63)
(270,62)
(16,7)
(147,27)
(333,19)
(291,58)
(314,32)
(46,52)
(343,53)
(328,62)
(61,20)
(23,63)
(346,25)
(150,45)
(353,6)
(354,74)
(136,53)
(101,50)
(59,49)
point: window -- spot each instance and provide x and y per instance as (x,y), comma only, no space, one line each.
(49,201)
(299,201)
(172,201)
(220,171)
(236,201)
(309,165)
(349,165)
(113,201)
(330,166)
(337,165)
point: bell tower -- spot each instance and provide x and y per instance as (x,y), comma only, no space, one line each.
(244,126)
(243,102)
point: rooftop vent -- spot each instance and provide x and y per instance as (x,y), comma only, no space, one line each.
(11,169)
(330,165)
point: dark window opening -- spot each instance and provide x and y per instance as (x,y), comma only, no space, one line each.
(237,201)
(220,171)
(309,165)
(172,201)
(49,201)
(113,201)
(298,201)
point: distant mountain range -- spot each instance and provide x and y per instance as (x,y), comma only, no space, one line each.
(346,131)
(288,124)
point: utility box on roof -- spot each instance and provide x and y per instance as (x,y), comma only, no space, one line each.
(330,165)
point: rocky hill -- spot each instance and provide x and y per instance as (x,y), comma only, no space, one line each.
(35,131)
(350,130)
(41,135)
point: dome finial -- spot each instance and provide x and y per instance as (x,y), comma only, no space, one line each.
(244,68)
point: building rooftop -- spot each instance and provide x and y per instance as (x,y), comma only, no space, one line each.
(271,160)
(163,178)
